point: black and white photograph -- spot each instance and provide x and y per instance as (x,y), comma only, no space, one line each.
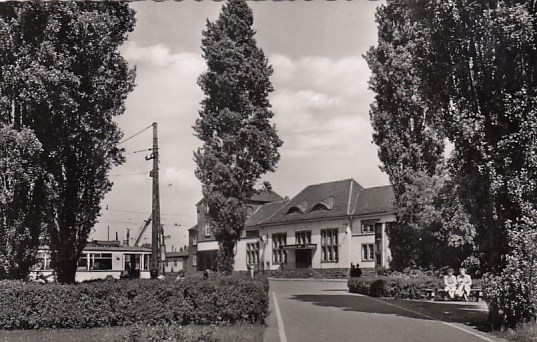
(268,171)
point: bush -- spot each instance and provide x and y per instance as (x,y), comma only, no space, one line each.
(218,300)
(512,296)
(396,287)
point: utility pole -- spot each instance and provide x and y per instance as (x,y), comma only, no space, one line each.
(155,232)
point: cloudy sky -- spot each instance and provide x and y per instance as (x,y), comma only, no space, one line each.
(321,104)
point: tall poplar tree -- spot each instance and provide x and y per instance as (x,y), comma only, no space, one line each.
(478,76)
(239,142)
(409,135)
(63,77)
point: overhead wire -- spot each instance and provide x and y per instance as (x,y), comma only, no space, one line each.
(135,134)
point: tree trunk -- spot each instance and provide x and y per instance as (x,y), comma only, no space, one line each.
(66,271)
(225,258)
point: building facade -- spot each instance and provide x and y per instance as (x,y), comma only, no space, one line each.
(326,227)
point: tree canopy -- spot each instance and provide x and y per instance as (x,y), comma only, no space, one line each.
(63,77)
(473,76)
(240,143)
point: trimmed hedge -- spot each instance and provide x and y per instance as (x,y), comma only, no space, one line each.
(395,287)
(219,300)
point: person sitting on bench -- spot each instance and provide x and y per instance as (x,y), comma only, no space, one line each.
(450,283)
(464,282)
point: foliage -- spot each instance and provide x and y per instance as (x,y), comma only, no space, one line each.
(512,296)
(484,52)
(474,69)
(21,201)
(409,135)
(63,77)
(218,300)
(239,142)
(395,287)
(166,333)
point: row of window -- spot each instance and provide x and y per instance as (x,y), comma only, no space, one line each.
(368,227)
(103,262)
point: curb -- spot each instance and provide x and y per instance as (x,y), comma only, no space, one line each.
(308,279)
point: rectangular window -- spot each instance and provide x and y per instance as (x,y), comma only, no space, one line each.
(194,260)
(175,263)
(83,262)
(303,238)
(329,245)
(279,255)
(252,253)
(368,227)
(367,252)
(194,239)
(207,229)
(252,233)
(100,261)
(146,261)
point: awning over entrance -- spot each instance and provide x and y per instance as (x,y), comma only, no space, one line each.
(306,246)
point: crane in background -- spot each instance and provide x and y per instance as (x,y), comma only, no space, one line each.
(141,231)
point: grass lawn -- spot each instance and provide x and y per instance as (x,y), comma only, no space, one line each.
(234,333)
(523,333)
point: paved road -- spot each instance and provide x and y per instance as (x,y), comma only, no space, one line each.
(324,311)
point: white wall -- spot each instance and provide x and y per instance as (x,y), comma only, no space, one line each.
(359,238)
(207,246)
(344,242)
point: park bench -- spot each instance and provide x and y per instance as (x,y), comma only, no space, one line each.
(476,293)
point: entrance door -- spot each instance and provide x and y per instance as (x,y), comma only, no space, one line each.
(132,265)
(303,258)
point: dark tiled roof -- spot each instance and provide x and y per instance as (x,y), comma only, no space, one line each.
(343,193)
(266,196)
(375,200)
(263,213)
(263,196)
(177,254)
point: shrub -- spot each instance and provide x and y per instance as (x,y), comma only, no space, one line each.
(396,287)
(218,300)
(512,296)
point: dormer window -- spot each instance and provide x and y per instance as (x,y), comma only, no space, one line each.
(294,210)
(326,204)
(319,206)
(299,208)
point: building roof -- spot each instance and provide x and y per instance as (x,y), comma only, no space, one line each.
(183,254)
(375,200)
(263,213)
(117,249)
(266,197)
(319,201)
(194,227)
(263,196)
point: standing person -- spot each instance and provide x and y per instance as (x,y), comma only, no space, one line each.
(450,283)
(358,271)
(464,282)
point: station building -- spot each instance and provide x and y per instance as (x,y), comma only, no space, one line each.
(325,228)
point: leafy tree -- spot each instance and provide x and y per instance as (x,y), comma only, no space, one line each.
(239,142)
(477,69)
(408,132)
(63,77)
(21,200)
(485,52)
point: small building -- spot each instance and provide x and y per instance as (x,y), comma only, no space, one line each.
(176,261)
